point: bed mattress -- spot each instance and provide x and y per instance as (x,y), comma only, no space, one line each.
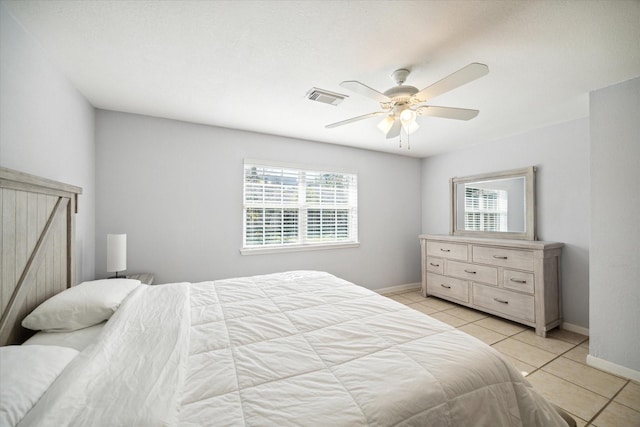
(289,349)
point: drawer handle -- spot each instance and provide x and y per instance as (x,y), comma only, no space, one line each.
(518,281)
(500,257)
(501,301)
(470,272)
(445,286)
(445,250)
(435,265)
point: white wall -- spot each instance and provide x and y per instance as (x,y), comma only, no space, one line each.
(176,189)
(561,154)
(46,127)
(615,225)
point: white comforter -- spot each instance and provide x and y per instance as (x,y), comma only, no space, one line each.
(291,349)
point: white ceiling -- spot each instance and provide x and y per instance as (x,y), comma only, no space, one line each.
(248,64)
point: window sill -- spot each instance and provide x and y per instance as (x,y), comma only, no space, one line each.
(297,248)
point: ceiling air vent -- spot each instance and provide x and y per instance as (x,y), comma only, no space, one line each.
(325,96)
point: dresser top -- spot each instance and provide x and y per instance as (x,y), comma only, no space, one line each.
(525,244)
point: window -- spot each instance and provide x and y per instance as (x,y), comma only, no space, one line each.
(485,210)
(287,207)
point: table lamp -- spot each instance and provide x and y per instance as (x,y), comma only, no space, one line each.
(116,253)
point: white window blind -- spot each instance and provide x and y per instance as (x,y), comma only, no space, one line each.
(485,210)
(290,206)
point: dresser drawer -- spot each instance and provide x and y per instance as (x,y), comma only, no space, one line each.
(447,250)
(505,302)
(448,287)
(519,281)
(477,273)
(510,258)
(435,265)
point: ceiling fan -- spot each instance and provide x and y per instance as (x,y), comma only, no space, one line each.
(401,104)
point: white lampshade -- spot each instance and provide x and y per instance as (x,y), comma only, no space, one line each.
(408,120)
(407,117)
(412,128)
(116,252)
(385,124)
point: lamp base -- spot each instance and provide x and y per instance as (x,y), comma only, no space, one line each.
(117,277)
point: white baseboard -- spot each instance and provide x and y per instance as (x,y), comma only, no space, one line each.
(575,328)
(615,369)
(398,288)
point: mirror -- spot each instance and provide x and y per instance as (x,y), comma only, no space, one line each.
(499,205)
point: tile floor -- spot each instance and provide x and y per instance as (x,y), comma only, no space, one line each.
(556,365)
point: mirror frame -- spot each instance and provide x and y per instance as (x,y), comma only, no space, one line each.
(529,175)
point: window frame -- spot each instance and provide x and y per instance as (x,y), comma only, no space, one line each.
(303,243)
(477,204)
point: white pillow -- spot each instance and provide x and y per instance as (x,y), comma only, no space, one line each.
(78,340)
(81,306)
(25,374)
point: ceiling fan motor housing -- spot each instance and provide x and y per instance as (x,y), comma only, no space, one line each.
(400,95)
(401,91)
(400,98)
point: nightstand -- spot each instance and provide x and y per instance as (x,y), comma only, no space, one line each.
(146,278)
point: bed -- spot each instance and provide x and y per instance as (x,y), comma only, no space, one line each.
(293,348)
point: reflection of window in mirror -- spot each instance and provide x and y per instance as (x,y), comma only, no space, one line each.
(494,206)
(499,205)
(485,209)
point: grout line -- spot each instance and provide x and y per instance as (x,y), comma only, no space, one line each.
(620,391)
(607,405)
(556,358)
(589,390)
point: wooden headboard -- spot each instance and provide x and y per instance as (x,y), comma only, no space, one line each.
(37,246)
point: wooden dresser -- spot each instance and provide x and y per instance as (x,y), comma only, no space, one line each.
(515,279)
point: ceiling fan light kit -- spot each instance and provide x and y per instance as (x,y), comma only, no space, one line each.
(407,117)
(403,103)
(385,124)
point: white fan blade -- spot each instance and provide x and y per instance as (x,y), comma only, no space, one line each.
(365,90)
(447,112)
(395,129)
(462,76)
(354,119)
